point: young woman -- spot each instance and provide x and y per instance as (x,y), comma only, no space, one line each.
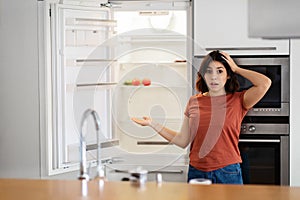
(213,119)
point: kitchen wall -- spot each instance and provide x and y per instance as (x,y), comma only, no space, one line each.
(19,104)
(294,113)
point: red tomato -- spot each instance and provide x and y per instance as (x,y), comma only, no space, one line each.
(136,81)
(146,82)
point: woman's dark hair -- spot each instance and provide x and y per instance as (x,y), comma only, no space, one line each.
(231,85)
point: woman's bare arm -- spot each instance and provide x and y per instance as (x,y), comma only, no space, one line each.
(180,139)
(261,83)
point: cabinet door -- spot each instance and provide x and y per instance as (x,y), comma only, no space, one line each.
(223,25)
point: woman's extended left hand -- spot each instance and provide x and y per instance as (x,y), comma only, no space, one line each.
(146,121)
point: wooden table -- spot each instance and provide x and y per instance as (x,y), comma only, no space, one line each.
(22,189)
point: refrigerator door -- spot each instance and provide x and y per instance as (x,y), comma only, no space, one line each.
(82,75)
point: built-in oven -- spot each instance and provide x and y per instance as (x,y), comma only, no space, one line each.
(264,139)
(276,100)
(264,148)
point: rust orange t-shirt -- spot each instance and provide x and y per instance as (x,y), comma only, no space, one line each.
(214,125)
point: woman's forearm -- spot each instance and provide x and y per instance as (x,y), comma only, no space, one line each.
(257,79)
(180,139)
(261,84)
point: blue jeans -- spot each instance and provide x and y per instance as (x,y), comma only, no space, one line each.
(230,174)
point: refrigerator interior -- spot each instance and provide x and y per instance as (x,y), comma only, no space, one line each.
(155,48)
(97,54)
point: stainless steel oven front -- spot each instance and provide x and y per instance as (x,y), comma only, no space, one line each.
(276,100)
(264,148)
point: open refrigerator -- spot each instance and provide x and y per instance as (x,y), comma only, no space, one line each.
(98,53)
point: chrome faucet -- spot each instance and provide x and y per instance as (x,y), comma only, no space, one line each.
(83,160)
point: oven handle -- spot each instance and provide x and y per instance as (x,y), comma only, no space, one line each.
(260,140)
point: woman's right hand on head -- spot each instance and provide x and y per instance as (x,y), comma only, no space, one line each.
(234,67)
(145,121)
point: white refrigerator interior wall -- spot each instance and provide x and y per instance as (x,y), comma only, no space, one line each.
(153,51)
(19,107)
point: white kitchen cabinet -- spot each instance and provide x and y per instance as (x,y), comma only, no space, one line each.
(280,19)
(294,114)
(223,25)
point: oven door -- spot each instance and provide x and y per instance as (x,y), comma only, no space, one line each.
(276,101)
(265,159)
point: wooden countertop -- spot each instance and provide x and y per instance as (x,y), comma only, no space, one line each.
(23,189)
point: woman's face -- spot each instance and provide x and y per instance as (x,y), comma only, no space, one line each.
(215,77)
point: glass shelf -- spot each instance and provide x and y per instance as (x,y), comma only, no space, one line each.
(151,86)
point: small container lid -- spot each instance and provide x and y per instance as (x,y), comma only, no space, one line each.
(202,181)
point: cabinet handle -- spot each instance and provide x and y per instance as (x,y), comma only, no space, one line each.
(259,141)
(241,48)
